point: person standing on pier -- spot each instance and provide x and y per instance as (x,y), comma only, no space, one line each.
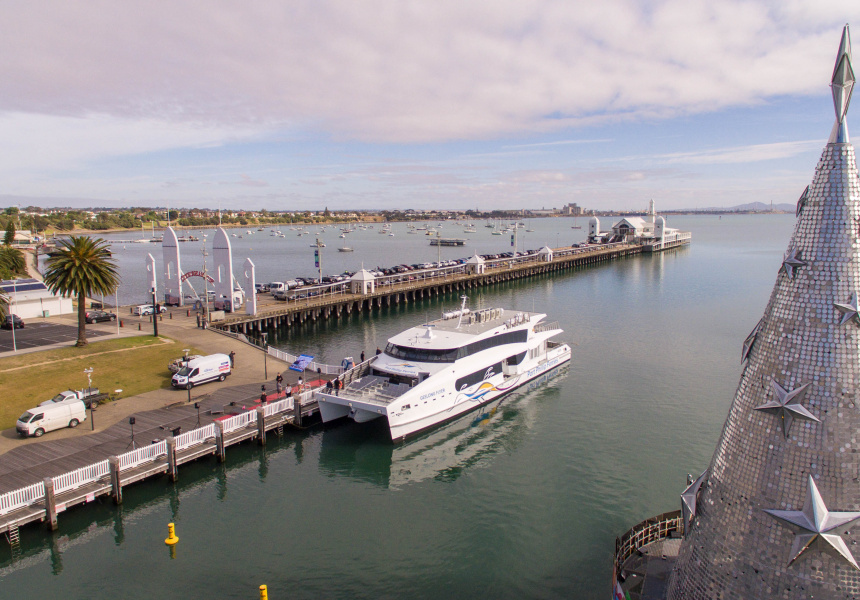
(378,351)
(362,356)
(198,321)
(232,353)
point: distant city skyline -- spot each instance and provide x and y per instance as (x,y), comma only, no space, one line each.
(379,105)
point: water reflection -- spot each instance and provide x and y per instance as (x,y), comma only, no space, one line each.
(365,451)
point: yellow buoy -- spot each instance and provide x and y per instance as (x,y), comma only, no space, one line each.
(171,535)
(264,593)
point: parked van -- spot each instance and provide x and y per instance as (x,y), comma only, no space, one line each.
(203,369)
(277,286)
(42,419)
(146,309)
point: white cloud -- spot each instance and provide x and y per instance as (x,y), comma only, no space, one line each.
(410,71)
(742,154)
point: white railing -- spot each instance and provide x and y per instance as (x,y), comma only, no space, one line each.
(79,477)
(312,366)
(239,421)
(195,436)
(20,498)
(74,479)
(142,455)
(279,406)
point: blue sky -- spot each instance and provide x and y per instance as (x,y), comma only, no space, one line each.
(423,104)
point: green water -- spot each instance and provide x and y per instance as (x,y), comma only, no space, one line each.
(520,500)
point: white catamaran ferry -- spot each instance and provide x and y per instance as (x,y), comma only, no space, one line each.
(435,372)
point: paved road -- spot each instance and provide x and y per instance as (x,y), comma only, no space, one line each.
(44,334)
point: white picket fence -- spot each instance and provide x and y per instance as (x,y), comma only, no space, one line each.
(142,455)
(195,436)
(22,497)
(79,477)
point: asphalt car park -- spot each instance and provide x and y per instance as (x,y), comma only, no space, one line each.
(34,335)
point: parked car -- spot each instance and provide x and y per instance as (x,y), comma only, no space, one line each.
(96,316)
(146,309)
(261,287)
(38,421)
(13,319)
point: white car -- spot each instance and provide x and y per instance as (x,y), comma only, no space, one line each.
(146,309)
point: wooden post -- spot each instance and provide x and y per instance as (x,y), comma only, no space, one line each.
(50,504)
(261,425)
(172,471)
(115,483)
(220,451)
(297,410)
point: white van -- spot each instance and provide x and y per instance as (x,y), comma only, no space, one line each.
(277,286)
(38,421)
(203,369)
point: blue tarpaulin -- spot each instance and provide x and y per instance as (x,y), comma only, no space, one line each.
(301,363)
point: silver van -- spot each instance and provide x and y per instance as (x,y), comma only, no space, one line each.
(42,419)
(203,369)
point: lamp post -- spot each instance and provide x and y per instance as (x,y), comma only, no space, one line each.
(116,305)
(89,372)
(12,316)
(265,356)
(205,283)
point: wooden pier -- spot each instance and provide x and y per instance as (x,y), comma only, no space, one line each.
(337,301)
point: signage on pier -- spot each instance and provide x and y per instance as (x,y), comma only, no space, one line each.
(188,274)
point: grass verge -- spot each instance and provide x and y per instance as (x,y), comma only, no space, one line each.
(135,365)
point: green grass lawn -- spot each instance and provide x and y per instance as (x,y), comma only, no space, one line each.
(135,365)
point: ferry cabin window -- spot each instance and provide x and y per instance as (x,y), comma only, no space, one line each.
(515,359)
(450,355)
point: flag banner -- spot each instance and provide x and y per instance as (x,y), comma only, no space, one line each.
(301,362)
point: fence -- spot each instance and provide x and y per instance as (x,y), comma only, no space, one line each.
(142,455)
(35,492)
(313,366)
(195,436)
(22,497)
(650,530)
(78,477)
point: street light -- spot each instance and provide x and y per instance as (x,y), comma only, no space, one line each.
(89,372)
(265,356)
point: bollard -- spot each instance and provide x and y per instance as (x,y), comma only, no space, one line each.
(138,326)
(120,323)
(188,313)
(264,593)
(171,315)
(171,535)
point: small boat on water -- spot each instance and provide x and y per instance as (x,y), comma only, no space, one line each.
(318,244)
(432,373)
(344,249)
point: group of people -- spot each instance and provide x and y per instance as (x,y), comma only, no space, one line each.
(336,386)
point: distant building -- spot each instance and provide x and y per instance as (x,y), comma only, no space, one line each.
(650,231)
(573,210)
(29,298)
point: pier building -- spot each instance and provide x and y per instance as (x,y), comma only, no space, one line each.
(649,231)
(775,514)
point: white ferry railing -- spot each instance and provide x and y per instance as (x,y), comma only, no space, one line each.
(22,497)
(80,477)
(195,437)
(142,455)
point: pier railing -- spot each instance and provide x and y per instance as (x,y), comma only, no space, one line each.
(646,532)
(33,493)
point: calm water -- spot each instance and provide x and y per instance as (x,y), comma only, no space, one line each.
(522,500)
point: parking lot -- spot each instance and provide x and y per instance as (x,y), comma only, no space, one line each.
(46,334)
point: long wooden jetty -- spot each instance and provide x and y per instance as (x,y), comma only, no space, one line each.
(337,300)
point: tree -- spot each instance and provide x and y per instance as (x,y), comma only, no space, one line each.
(12,262)
(83,267)
(10,233)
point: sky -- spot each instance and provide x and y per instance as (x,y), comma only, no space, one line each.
(384,104)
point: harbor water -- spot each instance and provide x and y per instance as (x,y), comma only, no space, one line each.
(521,499)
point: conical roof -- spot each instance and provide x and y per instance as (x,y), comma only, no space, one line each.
(777,511)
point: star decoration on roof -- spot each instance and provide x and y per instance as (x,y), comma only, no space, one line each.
(792,261)
(849,311)
(801,202)
(815,521)
(751,338)
(786,406)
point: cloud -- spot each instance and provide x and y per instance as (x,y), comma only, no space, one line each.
(410,72)
(741,154)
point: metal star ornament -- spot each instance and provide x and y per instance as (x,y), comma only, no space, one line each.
(751,338)
(801,202)
(791,262)
(815,521)
(786,406)
(849,311)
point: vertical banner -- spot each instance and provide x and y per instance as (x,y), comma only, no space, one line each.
(153,277)
(512,240)
(317,258)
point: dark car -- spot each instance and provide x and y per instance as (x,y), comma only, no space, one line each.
(96,316)
(7,322)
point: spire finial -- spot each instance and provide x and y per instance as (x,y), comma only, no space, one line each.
(842,84)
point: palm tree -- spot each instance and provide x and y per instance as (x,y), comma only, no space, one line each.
(12,262)
(82,267)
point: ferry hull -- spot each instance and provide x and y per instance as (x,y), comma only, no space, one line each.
(401,431)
